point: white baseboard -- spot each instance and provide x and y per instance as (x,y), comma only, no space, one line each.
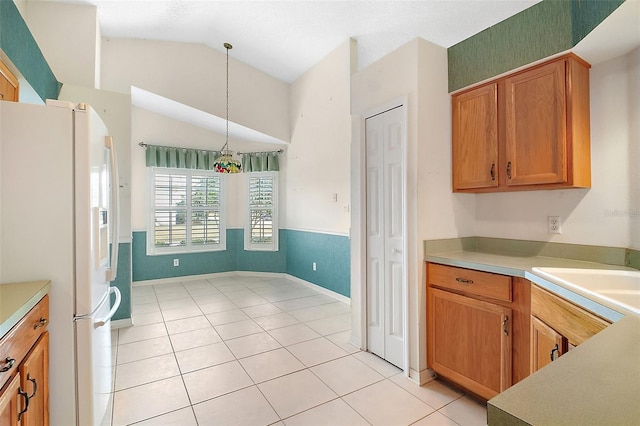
(173,280)
(319,289)
(423,377)
(356,341)
(121,323)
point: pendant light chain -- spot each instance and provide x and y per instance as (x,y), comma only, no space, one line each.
(225,163)
(226,142)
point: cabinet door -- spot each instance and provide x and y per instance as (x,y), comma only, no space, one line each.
(475,138)
(10,402)
(546,344)
(469,342)
(536,123)
(35,381)
(8,84)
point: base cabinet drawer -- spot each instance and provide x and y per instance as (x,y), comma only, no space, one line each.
(478,283)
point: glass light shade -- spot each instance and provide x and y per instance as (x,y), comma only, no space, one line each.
(226,163)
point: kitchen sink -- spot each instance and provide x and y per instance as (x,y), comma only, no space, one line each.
(619,287)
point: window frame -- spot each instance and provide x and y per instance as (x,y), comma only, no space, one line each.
(152,250)
(274,244)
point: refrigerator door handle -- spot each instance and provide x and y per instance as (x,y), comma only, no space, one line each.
(112,271)
(114,308)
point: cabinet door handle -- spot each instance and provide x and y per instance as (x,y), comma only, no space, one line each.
(41,323)
(464,281)
(509,170)
(556,350)
(8,364)
(493,171)
(505,321)
(35,386)
(26,403)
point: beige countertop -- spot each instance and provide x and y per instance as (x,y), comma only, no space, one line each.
(596,383)
(17,299)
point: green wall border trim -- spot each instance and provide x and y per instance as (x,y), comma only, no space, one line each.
(540,31)
(600,254)
(18,44)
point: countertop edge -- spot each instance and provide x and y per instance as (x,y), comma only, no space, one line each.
(15,318)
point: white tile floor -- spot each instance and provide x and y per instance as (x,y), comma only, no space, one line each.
(246,350)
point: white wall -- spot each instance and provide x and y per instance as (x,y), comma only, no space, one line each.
(318,158)
(605,214)
(416,72)
(67,36)
(634,146)
(195,75)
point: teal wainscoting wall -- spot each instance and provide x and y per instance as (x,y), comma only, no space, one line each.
(17,42)
(123,281)
(260,261)
(331,253)
(544,29)
(297,252)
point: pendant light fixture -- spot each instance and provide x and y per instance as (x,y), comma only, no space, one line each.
(226,163)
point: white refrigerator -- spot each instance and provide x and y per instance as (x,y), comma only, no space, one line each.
(58,216)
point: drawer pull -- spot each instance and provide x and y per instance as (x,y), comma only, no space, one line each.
(464,281)
(8,364)
(26,403)
(42,323)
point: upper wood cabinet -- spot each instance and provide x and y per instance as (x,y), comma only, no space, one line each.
(528,130)
(475,135)
(9,87)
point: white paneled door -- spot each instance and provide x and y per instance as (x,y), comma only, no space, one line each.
(385,157)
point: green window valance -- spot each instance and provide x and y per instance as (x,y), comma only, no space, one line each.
(260,162)
(180,158)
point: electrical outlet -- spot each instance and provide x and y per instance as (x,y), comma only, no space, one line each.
(314,266)
(176,262)
(554,225)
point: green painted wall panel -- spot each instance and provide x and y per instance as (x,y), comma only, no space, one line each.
(331,254)
(19,45)
(588,14)
(123,281)
(261,261)
(547,28)
(159,267)
(298,250)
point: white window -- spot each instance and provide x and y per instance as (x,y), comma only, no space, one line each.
(186,211)
(261,226)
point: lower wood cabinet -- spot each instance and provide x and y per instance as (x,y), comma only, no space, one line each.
(24,370)
(471,342)
(546,344)
(34,373)
(558,325)
(477,328)
(10,402)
